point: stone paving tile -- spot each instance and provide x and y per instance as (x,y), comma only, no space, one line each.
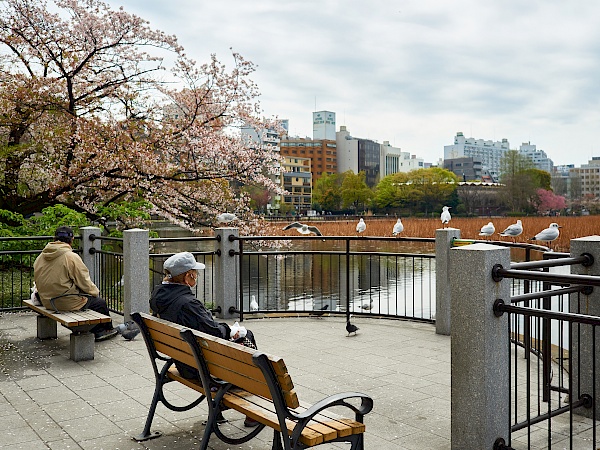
(90,427)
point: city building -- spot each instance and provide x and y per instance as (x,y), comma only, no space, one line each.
(490,153)
(588,179)
(538,157)
(394,160)
(358,155)
(321,152)
(562,179)
(465,168)
(324,125)
(297,181)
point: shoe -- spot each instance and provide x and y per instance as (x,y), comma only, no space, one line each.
(106,334)
(251,423)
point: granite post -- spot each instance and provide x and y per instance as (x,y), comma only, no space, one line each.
(480,352)
(88,251)
(226,273)
(136,272)
(582,338)
(443,274)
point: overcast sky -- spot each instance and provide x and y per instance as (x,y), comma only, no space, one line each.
(411,72)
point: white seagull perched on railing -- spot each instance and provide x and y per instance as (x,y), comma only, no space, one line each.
(513,230)
(445,217)
(547,235)
(487,230)
(303,228)
(398,227)
(361,226)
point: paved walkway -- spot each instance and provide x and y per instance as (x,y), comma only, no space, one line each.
(50,402)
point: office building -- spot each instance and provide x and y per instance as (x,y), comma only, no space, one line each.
(394,160)
(358,155)
(490,153)
(538,157)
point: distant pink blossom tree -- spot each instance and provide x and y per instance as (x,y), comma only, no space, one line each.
(549,201)
(90,115)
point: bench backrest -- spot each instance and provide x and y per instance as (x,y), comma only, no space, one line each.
(223,359)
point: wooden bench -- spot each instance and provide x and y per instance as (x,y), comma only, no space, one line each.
(249,381)
(79,322)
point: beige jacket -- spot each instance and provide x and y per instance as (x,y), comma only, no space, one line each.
(57,271)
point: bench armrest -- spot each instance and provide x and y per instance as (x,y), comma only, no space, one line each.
(365,407)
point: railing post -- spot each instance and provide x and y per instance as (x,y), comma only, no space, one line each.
(586,353)
(480,348)
(136,272)
(443,274)
(226,273)
(88,251)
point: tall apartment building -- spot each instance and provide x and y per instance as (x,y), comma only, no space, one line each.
(394,160)
(490,153)
(589,178)
(321,152)
(358,155)
(297,181)
(538,157)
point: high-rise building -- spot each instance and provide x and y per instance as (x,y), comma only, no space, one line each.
(589,178)
(394,160)
(324,125)
(321,152)
(538,157)
(358,155)
(488,152)
(297,181)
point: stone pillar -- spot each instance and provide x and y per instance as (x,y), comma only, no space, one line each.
(88,251)
(226,273)
(81,346)
(583,357)
(46,328)
(443,274)
(480,348)
(136,272)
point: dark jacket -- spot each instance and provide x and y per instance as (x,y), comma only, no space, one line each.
(176,303)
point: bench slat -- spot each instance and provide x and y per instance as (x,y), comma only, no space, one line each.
(70,318)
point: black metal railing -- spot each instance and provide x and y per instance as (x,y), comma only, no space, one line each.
(338,274)
(545,329)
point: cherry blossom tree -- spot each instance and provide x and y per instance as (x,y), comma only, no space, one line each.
(548,201)
(98,108)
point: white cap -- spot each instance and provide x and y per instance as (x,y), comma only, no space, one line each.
(181,262)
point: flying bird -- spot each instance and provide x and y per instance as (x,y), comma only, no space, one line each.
(513,230)
(398,227)
(547,235)
(487,230)
(303,229)
(253,304)
(361,226)
(128,330)
(350,328)
(226,217)
(445,216)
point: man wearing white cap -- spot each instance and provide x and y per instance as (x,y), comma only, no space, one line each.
(173,300)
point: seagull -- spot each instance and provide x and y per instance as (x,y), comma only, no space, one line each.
(128,330)
(253,304)
(226,217)
(513,230)
(547,235)
(303,229)
(445,216)
(398,227)
(350,328)
(361,226)
(319,312)
(487,230)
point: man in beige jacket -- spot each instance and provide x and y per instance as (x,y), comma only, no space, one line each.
(60,272)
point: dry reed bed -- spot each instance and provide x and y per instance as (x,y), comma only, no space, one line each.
(572,227)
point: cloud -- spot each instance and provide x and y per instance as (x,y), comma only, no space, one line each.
(412,72)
